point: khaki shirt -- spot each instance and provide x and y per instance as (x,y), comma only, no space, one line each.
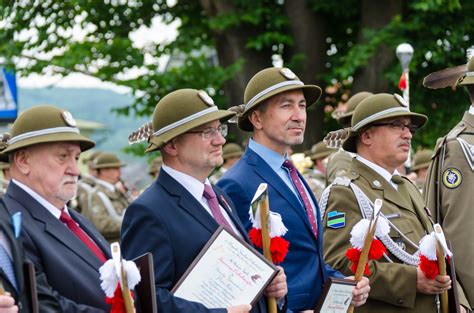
(84,187)
(393,285)
(452,204)
(106,209)
(3,186)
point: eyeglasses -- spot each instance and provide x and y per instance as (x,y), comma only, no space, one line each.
(210,132)
(398,126)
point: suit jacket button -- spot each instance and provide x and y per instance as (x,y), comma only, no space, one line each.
(20,305)
(400,301)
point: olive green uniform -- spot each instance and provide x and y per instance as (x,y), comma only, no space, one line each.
(84,187)
(451,204)
(3,186)
(216,175)
(338,163)
(393,285)
(106,209)
(316,181)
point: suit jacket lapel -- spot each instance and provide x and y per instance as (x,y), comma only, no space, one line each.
(187,202)
(92,233)
(53,226)
(268,175)
(224,202)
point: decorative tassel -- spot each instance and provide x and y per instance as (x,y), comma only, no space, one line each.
(377,250)
(358,233)
(429,267)
(428,247)
(239,110)
(279,249)
(141,134)
(117,303)
(109,278)
(255,236)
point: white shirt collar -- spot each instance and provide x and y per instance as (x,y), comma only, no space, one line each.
(51,208)
(191,184)
(380,170)
(471,110)
(107,185)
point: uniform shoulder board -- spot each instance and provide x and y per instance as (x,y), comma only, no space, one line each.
(342,181)
(454,133)
(439,143)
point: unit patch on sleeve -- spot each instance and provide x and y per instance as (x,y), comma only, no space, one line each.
(336,220)
(452,178)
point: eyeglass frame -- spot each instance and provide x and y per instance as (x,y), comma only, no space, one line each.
(211,132)
(399,126)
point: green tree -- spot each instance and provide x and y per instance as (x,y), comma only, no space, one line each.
(348,44)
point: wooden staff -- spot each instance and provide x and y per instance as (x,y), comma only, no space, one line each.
(264,214)
(127,297)
(442,271)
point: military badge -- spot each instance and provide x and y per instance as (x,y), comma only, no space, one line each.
(205,97)
(377,183)
(400,100)
(287,73)
(69,119)
(452,178)
(336,220)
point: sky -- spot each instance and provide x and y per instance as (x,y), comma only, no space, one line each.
(158,32)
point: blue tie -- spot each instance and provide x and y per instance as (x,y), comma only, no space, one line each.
(7,266)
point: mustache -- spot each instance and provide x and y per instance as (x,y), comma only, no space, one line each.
(70,179)
(296,124)
(404,142)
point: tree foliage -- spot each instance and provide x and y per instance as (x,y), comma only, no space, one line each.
(348,45)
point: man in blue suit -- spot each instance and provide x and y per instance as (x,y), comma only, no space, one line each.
(275,110)
(177,215)
(43,151)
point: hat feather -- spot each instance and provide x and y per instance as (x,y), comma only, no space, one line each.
(141,134)
(239,110)
(335,138)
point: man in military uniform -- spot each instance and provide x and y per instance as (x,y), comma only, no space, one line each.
(107,202)
(420,163)
(381,133)
(231,153)
(85,184)
(5,179)
(155,167)
(340,161)
(448,191)
(316,176)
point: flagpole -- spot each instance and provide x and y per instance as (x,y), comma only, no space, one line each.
(404,54)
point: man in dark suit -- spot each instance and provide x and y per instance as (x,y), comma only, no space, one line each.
(177,215)
(43,151)
(275,110)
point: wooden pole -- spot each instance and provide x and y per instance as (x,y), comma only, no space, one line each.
(264,214)
(442,271)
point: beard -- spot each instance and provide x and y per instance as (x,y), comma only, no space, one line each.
(68,188)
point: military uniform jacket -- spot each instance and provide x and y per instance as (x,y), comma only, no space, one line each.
(393,285)
(106,209)
(316,181)
(338,163)
(84,188)
(452,203)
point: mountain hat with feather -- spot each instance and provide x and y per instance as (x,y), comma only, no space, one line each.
(268,83)
(177,113)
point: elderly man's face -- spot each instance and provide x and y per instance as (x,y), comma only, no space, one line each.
(52,171)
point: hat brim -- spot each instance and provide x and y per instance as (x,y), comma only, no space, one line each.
(345,119)
(465,80)
(156,142)
(232,155)
(84,143)
(321,155)
(312,93)
(417,119)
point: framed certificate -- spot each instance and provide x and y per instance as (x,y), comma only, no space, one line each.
(336,296)
(227,272)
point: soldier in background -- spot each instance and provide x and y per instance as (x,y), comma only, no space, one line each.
(340,161)
(316,176)
(155,167)
(448,190)
(421,161)
(231,153)
(85,184)
(107,200)
(5,168)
